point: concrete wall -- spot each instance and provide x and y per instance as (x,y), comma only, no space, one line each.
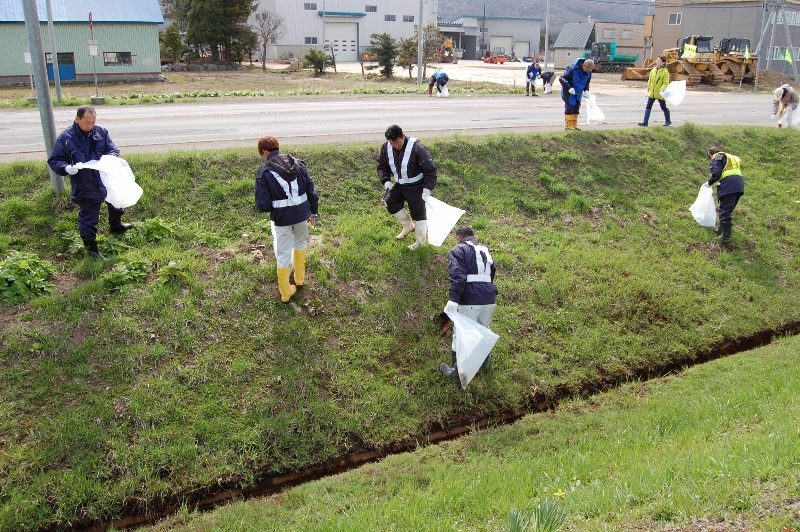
(564,57)
(665,35)
(629,37)
(517,29)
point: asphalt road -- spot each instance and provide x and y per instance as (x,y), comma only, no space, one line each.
(144,128)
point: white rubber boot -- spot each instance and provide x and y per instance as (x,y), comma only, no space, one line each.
(421,230)
(408,224)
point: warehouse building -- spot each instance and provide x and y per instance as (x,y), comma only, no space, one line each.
(345,26)
(122,33)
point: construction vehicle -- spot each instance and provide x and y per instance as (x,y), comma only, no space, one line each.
(495,59)
(694,60)
(735,61)
(447,52)
(606,58)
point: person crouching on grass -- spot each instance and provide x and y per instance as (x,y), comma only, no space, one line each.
(286,191)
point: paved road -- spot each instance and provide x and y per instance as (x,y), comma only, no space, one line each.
(327,120)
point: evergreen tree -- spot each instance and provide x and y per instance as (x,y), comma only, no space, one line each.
(385,47)
(216,23)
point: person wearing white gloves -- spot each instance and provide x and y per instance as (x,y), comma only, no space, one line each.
(784,100)
(406,170)
(574,86)
(82,142)
(472,289)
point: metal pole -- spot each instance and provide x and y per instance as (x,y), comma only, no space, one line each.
(774,15)
(546,31)
(323,30)
(420,45)
(42,88)
(54,50)
(789,45)
(94,58)
(765,14)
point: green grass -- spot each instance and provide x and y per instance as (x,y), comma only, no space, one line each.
(716,444)
(196,375)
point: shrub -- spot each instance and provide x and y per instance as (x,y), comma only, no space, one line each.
(24,276)
(131,271)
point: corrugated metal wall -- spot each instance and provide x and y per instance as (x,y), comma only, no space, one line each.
(139,39)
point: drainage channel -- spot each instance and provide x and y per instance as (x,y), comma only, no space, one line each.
(134,515)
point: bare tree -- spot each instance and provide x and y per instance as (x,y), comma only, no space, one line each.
(268,27)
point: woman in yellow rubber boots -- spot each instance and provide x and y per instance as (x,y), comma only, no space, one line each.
(285,190)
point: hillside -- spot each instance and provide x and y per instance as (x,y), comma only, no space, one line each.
(173,369)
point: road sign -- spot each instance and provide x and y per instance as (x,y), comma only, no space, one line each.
(93,48)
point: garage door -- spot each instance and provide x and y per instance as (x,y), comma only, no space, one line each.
(342,37)
(522,49)
(501,45)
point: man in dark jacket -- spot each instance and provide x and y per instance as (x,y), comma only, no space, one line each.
(406,169)
(574,85)
(439,79)
(83,142)
(472,289)
(285,190)
(726,172)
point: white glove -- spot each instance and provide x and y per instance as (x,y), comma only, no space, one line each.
(71,170)
(388,185)
(425,193)
(772,116)
(571,91)
(586,94)
(451,306)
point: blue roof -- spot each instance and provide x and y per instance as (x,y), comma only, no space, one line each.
(78,11)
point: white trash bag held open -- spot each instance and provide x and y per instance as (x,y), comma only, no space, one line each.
(441,220)
(548,88)
(473,343)
(674,93)
(122,191)
(703,208)
(790,119)
(594,115)
(444,92)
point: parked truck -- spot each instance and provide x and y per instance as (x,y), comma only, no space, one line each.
(607,59)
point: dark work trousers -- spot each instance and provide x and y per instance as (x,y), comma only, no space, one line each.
(411,194)
(727,203)
(572,109)
(649,108)
(89,215)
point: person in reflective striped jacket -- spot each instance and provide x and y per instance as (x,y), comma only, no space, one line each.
(286,191)
(406,169)
(472,289)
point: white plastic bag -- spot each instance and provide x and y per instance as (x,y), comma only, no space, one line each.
(593,112)
(538,83)
(444,93)
(473,343)
(674,93)
(703,208)
(122,191)
(790,119)
(441,220)
(548,88)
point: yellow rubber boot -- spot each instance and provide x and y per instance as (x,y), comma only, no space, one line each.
(567,122)
(575,122)
(299,258)
(287,290)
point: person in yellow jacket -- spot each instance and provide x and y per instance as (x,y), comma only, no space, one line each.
(657,82)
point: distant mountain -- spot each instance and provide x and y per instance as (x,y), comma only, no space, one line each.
(561,11)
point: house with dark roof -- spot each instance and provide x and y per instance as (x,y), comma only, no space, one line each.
(574,39)
(117,38)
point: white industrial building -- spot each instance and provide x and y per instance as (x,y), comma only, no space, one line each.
(344,25)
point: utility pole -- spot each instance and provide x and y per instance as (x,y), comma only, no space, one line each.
(42,88)
(546,31)
(54,51)
(420,44)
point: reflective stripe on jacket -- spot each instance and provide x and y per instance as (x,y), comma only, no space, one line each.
(401,176)
(483,262)
(732,167)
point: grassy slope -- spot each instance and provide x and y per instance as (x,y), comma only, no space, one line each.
(716,444)
(161,389)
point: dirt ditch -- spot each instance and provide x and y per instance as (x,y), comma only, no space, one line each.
(140,514)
